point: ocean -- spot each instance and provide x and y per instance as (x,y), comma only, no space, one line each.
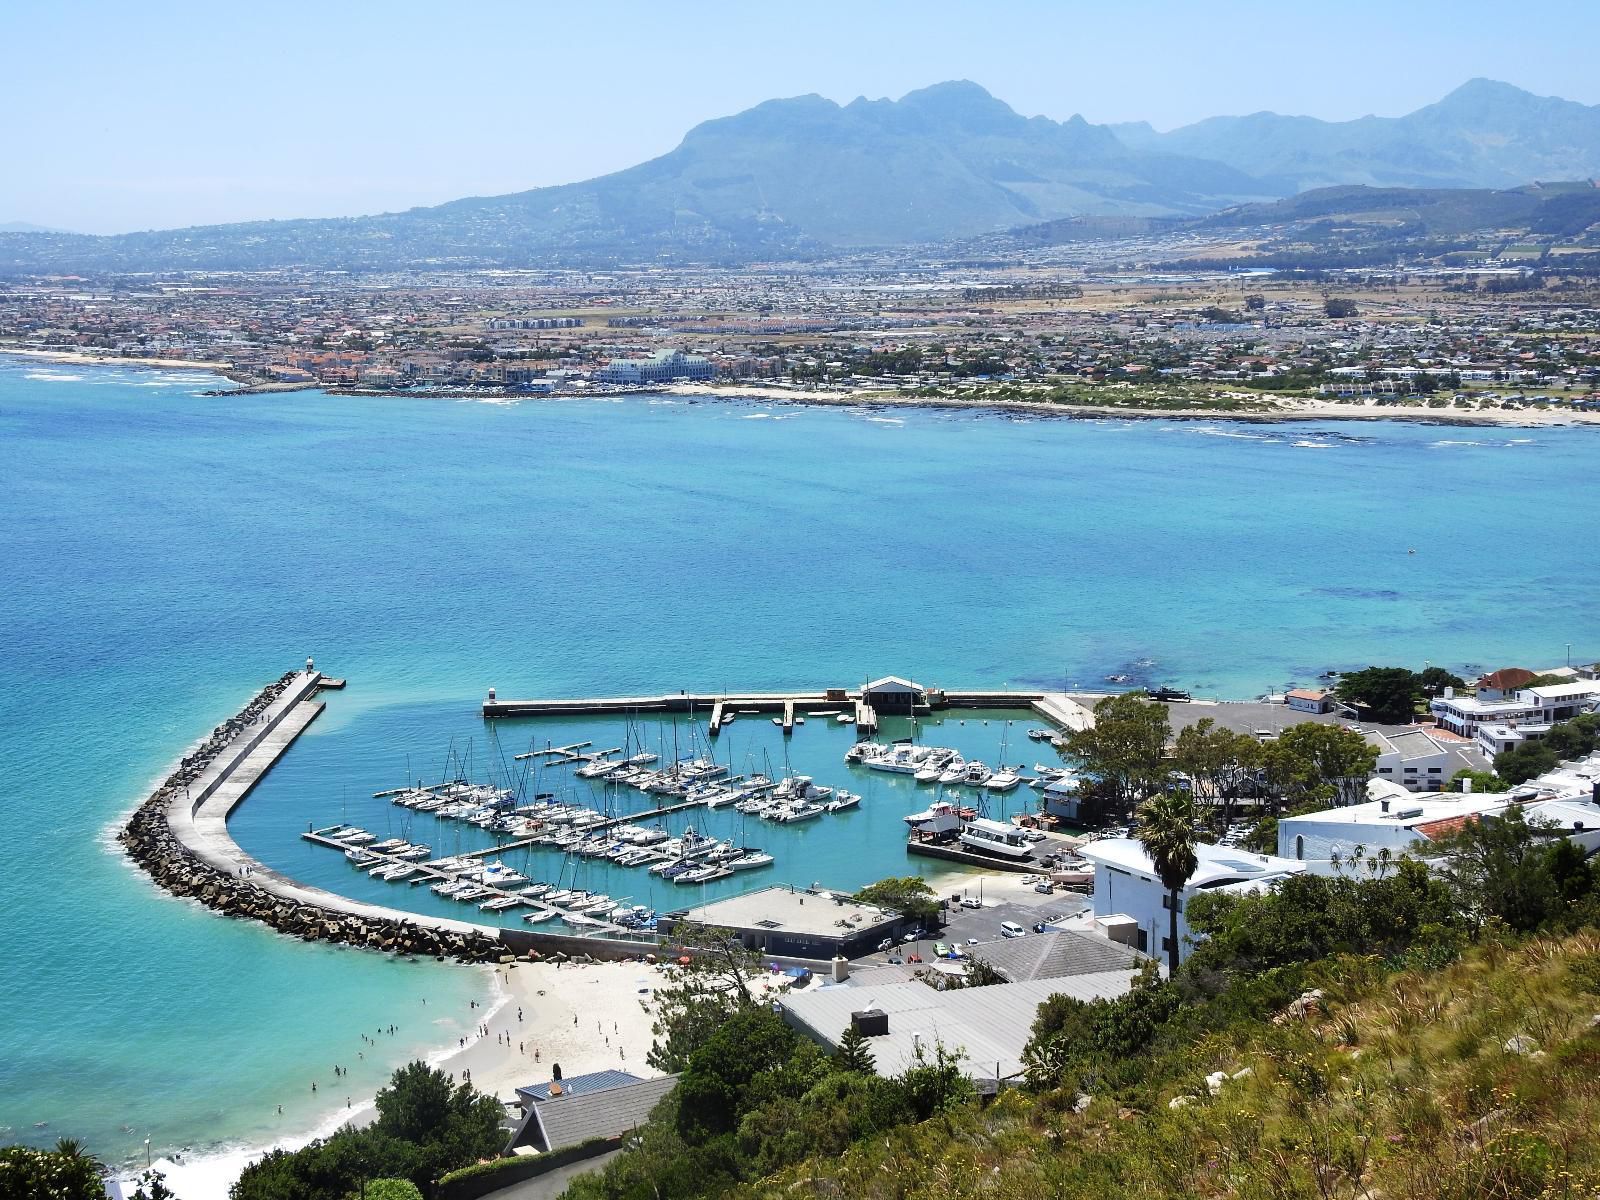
(167,553)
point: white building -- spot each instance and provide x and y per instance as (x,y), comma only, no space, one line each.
(1526,709)
(1126,885)
(1412,759)
(1567,798)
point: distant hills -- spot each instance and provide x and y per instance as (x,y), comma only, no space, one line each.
(1482,135)
(805,176)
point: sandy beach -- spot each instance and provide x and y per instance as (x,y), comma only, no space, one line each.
(1283,408)
(113,360)
(584,1017)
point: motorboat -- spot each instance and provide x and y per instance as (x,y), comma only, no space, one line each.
(996,839)
(844,718)
(704,874)
(804,811)
(1003,780)
(865,750)
(843,802)
(976,775)
(953,772)
(939,818)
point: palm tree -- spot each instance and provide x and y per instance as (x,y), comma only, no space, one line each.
(1165,828)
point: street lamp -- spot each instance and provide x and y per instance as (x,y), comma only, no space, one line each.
(147,1154)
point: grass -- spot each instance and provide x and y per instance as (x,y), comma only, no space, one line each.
(1478,1079)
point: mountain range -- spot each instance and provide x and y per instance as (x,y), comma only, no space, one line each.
(806,176)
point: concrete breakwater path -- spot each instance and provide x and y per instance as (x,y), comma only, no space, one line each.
(180,837)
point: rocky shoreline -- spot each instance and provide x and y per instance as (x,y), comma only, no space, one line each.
(151,843)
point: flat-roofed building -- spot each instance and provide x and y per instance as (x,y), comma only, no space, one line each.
(793,922)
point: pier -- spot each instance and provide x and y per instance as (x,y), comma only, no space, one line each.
(1058,708)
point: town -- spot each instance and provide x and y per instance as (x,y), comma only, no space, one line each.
(1144,323)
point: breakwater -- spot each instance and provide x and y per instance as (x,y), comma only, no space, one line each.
(161,836)
(179,836)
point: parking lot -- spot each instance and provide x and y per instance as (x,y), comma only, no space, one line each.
(1003,898)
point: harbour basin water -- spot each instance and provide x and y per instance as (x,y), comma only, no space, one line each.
(167,553)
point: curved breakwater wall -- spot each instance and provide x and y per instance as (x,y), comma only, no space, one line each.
(165,837)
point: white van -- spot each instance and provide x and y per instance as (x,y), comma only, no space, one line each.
(1011,929)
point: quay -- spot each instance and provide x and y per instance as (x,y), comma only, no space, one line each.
(888,696)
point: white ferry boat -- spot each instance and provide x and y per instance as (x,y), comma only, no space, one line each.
(995,838)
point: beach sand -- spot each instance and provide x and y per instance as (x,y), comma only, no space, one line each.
(585,1017)
(1280,408)
(114,360)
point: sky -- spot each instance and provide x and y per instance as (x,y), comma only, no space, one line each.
(165,113)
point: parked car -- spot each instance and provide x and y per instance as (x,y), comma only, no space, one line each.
(1011,929)
(1044,887)
(971,902)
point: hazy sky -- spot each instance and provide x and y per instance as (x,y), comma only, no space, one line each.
(160,113)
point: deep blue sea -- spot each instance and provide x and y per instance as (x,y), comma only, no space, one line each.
(165,554)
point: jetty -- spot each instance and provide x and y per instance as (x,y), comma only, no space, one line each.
(890,696)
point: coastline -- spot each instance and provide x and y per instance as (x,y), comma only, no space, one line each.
(1286,410)
(542,1007)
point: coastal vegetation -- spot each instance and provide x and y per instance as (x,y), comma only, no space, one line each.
(1567,740)
(428,1124)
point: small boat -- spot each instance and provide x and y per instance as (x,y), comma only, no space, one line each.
(1003,780)
(543,914)
(534,892)
(603,909)
(843,802)
(729,718)
(704,874)
(1039,735)
(500,904)
(751,859)
(844,718)
(777,721)
(798,812)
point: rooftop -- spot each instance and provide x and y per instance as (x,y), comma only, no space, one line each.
(791,910)
(1217,864)
(1057,955)
(989,1025)
(574,1117)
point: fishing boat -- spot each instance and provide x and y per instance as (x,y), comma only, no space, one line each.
(976,775)
(843,802)
(953,772)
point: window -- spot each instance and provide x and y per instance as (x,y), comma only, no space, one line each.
(1300,845)
(1166,901)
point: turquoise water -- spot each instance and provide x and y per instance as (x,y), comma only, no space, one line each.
(166,553)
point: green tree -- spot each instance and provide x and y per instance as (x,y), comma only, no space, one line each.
(700,993)
(1433,680)
(716,1086)
(1339,309)
(1515,871)
(1165,828)
(1482,781)
(1522,763)
(1124,747)
(908,895)
(854,1054)
(1385,694)
(1218,763)
(1315,763)
(26,1173)
(450,1123)
(934,1082)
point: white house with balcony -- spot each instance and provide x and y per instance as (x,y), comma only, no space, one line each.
(1126,886)
(1524,709)
(1413,759)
